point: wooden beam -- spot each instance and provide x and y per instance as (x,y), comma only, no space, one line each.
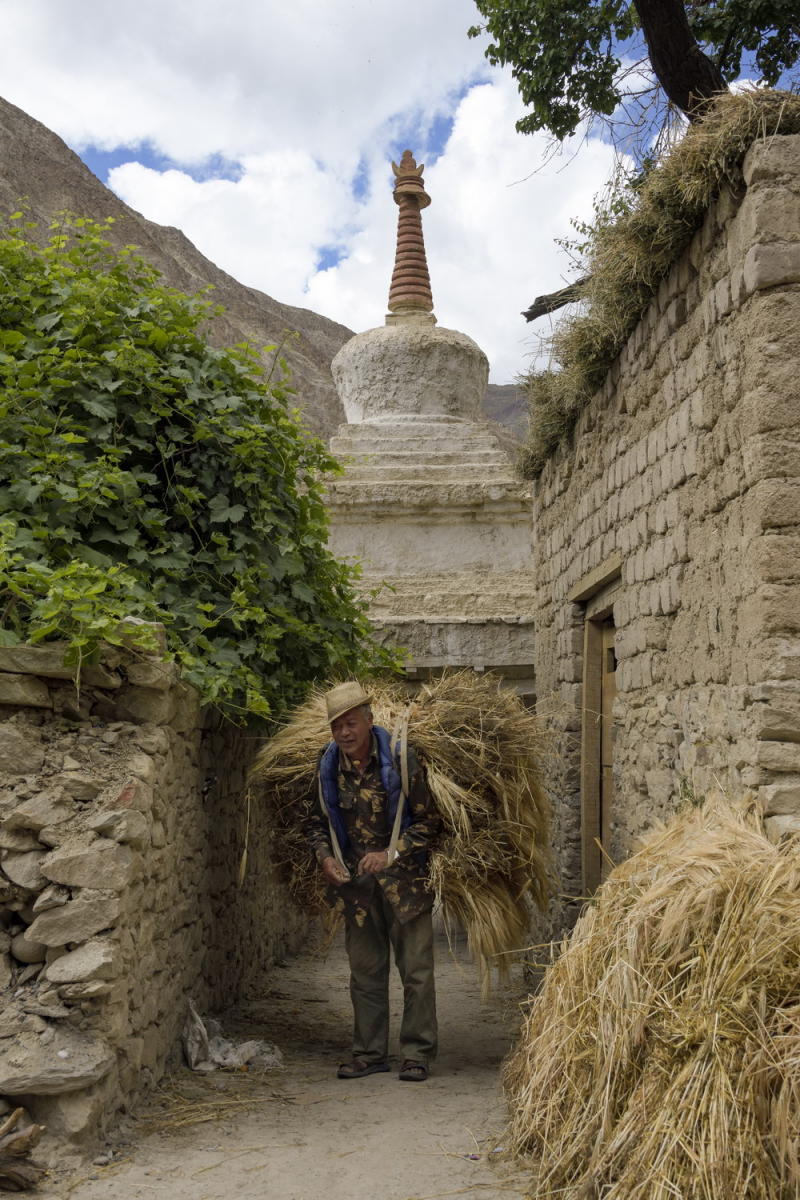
(552,301)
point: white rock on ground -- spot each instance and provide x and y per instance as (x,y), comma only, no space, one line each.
(68,1061)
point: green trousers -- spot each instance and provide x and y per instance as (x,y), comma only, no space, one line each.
(368,951)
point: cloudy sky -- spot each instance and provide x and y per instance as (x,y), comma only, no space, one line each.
(266,130)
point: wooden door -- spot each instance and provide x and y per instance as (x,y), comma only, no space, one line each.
(608,692)
(597,744)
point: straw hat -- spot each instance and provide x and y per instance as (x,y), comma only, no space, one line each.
(343,697)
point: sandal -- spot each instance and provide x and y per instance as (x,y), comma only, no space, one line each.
(357,1068)
(413,1071)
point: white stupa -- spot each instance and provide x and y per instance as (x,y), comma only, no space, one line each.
(430,503)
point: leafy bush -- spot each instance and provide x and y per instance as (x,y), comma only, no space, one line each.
(144,473)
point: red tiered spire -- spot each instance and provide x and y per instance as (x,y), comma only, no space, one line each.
(410,289)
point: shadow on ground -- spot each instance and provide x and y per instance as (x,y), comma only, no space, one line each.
(301,1134)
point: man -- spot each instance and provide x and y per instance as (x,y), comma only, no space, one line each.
(375,862)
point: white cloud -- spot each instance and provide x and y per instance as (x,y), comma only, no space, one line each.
(490,231)
(305,96)
(197,77)
(265,228)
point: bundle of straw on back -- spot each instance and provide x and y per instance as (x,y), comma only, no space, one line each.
(482,751)
(661,1059)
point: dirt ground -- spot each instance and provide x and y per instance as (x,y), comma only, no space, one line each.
(301,1134)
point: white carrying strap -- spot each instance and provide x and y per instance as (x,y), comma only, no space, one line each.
(337,849)
(400,734)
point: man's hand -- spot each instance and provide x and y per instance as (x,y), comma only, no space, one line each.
(333,872)
(373,862)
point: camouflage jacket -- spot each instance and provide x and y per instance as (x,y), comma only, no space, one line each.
(363,805)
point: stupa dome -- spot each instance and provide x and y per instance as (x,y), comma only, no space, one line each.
(410,368)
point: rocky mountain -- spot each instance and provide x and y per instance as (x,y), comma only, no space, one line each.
(40,172)
(506,405)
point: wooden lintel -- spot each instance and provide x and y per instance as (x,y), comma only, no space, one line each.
(596,579)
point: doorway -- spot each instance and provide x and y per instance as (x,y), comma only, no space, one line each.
(597,741)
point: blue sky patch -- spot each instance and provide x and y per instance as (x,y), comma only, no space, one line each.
(426,134)
(100,162)
(439,135)
(361,181)
(328,256)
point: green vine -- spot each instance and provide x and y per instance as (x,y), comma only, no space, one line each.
(145,473)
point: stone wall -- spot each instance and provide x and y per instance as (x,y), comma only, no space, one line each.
(248,928)
(679,494)
(122,822)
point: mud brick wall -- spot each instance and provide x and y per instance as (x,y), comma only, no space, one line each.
(683,478)
(122,822)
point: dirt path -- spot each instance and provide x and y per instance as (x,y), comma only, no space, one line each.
(301,1134)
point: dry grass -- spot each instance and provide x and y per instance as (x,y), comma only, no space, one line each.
(179,1112)
(661,1060)
(630,256)
(483,753)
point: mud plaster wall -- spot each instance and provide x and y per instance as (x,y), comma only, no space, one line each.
(685,470)
(122,822)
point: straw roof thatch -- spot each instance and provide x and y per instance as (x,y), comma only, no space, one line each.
(662,1056)
(482,750)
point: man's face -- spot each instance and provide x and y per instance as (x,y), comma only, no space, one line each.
(351,732)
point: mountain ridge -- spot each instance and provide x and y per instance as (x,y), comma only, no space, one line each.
(40,173)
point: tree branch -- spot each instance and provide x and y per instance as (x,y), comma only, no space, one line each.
(552,301)
(687,75)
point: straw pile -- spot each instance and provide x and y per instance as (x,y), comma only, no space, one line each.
(662,1057)
(482,750)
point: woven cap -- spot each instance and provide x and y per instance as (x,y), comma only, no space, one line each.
(343,697)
